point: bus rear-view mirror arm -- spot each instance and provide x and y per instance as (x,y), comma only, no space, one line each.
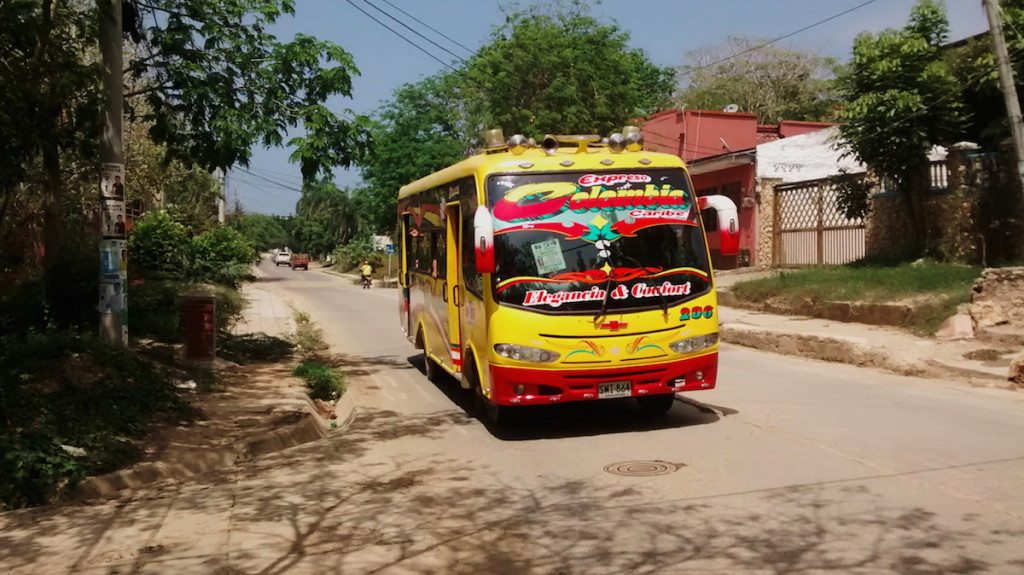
(483,240)
(728,222)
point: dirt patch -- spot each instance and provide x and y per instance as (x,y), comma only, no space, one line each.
(255,410)
(984,354)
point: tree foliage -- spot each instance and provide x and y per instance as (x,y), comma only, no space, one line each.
(555,70)
(774,83)
(562,71)
(900,99)
(325,217)
(205,82)
(418,132)
(221,84)
(262,231)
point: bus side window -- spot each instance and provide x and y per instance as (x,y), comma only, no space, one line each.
(467,196)
(420,252)
(440,253)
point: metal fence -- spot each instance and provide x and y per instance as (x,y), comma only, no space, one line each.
(810,229)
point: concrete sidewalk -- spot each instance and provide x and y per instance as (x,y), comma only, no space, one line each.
(266,313)
(862,345)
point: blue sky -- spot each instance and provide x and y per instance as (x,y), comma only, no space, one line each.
(665,29)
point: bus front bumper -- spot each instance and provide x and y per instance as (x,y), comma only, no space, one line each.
(546,386)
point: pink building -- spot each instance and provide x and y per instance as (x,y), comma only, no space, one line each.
(720,150)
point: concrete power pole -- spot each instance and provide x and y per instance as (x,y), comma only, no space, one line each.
(992,10)
(222,178)
(113,217)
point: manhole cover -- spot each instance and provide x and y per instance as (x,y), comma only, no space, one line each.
(642,468)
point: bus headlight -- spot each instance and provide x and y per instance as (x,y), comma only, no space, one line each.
(525,353)
(692,344)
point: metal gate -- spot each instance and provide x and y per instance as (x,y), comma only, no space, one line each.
(809,227)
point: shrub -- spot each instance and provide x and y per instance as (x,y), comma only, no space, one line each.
(351,255)
(221,255)
(322,381)
(155,308)
(62,388)
(159,247)
(23,307)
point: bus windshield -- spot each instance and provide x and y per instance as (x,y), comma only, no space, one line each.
(586,242)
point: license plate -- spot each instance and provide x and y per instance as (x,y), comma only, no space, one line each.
(614,389)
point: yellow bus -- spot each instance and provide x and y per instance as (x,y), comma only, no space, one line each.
(572,270)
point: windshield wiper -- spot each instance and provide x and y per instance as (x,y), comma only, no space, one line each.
(604,302)
(661,294)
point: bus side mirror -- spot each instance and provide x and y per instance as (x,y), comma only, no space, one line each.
(728,222)
(483,240)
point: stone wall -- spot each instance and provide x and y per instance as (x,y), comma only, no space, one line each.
(887,224)
(765,196)
(948,227)
(998,298)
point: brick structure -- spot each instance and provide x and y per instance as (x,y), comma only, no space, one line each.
(199,326)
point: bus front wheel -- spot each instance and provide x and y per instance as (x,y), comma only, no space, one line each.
(496,415)
(656,404)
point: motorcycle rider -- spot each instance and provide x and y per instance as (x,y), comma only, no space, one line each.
(365,271)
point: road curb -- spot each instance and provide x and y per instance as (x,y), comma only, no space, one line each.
(846,350)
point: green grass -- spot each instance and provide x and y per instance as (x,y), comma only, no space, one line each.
(322,381)
(308,336)
(861,283)
(933,289)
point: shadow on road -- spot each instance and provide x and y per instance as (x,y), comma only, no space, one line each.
(580,419)
(336,509)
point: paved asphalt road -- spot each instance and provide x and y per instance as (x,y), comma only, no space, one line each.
(790,466)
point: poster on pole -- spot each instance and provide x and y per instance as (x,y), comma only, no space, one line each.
(112,181)
(113,257)
(114,221)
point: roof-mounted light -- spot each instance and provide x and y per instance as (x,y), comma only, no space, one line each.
(616,143)
(494,138)
(549,144)
(634,138)
(518,144)
(552,142)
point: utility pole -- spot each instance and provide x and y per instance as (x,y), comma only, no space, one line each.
(992,10)
(113,217)
(222,177)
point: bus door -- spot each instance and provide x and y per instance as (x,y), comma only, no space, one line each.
(452,289)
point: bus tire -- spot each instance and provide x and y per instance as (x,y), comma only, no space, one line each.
(654,405)
(493,414)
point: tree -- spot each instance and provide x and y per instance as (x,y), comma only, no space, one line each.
(324,218)
(773,83)
(215,83)
(262,231)
(417,132)
(558,71)
(562,72)
(900,99)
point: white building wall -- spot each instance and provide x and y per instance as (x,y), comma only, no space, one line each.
(811,156)
(808,156)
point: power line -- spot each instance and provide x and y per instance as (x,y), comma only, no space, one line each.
(429,27)
(409,28)
(462,73)
(268,180)
(396,33)
(252,187)
(690,71)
